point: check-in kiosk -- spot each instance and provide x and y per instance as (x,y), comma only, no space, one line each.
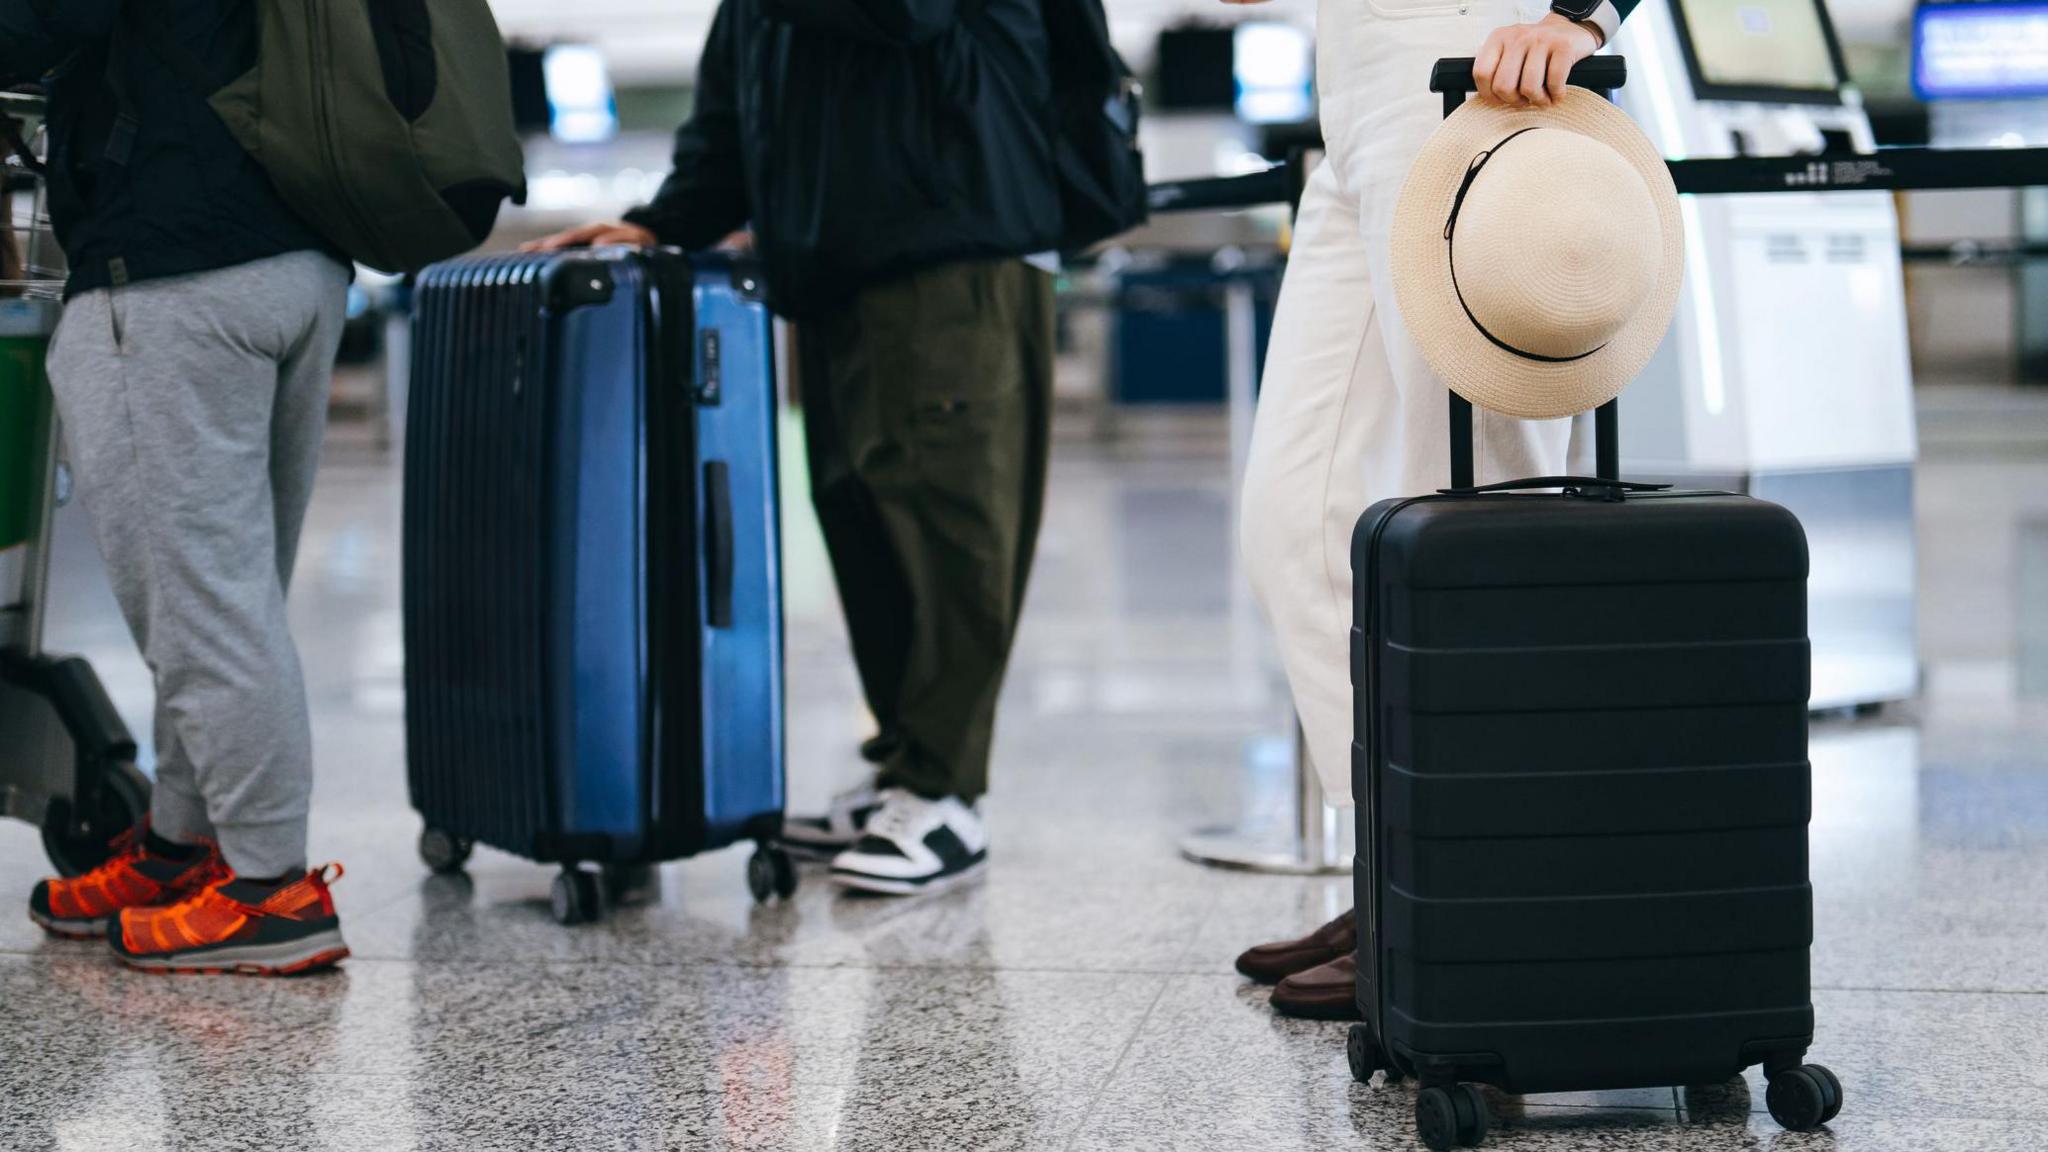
(1786,372)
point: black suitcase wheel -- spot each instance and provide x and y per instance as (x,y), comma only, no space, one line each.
(1473,1116)
(444,852)
(1804,1098)
(1453,1117)
(79,839)
(577,897)
(1363,1052)
(1436,1119)
(1833,1086)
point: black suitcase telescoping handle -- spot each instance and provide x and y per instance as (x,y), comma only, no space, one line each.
(1546,483)
(1606,445)
(1452,76)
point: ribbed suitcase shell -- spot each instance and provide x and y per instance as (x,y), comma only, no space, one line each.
(1583,787)
(572,695)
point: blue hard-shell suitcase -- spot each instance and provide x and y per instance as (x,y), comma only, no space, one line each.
(593,619)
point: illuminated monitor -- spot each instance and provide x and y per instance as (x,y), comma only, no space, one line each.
(1761,51)
(581,109)
(1273,66)
(1982,51)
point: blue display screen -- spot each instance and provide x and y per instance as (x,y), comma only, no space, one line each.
(1983,51)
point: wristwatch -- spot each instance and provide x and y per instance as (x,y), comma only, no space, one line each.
(1585,13)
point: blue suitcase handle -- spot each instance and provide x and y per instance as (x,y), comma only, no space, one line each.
(718,544)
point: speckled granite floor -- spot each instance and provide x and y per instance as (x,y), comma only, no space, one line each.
(1081,997)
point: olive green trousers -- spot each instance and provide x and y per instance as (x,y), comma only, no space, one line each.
(927,405)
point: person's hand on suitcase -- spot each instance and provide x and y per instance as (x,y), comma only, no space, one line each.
(1529,63)
(593,236)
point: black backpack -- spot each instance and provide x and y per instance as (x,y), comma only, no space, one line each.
(1095,100)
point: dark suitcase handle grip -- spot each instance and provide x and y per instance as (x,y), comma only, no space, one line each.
(1452,75)
(718,545)
(1536,482)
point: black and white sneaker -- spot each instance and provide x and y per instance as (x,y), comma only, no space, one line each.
(914,845)
(823,837)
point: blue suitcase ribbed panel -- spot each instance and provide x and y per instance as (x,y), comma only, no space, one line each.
(474,464)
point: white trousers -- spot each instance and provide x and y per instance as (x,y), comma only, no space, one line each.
(1349,413)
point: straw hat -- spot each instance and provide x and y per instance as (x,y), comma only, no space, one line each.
(1537,254)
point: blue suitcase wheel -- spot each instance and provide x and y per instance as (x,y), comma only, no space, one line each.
(630,884)
(577,897)
(785,874)
(771,872)
(443,852)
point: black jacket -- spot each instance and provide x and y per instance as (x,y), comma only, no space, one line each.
(866,138)
(186,198)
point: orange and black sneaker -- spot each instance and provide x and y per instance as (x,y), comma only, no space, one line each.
(236,927)
(82,907)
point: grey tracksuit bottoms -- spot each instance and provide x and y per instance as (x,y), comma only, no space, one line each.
(193,409)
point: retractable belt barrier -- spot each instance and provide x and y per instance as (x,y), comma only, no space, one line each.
(1885,170)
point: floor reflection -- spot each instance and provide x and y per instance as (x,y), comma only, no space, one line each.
(1082,996)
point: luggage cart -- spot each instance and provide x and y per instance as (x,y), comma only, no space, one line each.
(67,763)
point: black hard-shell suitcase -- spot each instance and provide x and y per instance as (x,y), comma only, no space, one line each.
(1583,789)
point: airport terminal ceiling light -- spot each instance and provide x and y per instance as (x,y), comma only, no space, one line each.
(1273,69)
(1984,51)
(581,105)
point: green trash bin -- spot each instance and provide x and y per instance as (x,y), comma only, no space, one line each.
(25,328)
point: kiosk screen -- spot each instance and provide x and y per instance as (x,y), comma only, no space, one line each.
(1761,50)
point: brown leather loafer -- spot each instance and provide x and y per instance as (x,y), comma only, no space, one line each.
(1272,963)
(1329,992)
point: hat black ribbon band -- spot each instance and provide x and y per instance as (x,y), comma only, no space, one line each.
(1451,259)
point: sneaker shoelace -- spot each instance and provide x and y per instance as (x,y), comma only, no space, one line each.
(901,813)
(115,879)
(206,916)
(211,914)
